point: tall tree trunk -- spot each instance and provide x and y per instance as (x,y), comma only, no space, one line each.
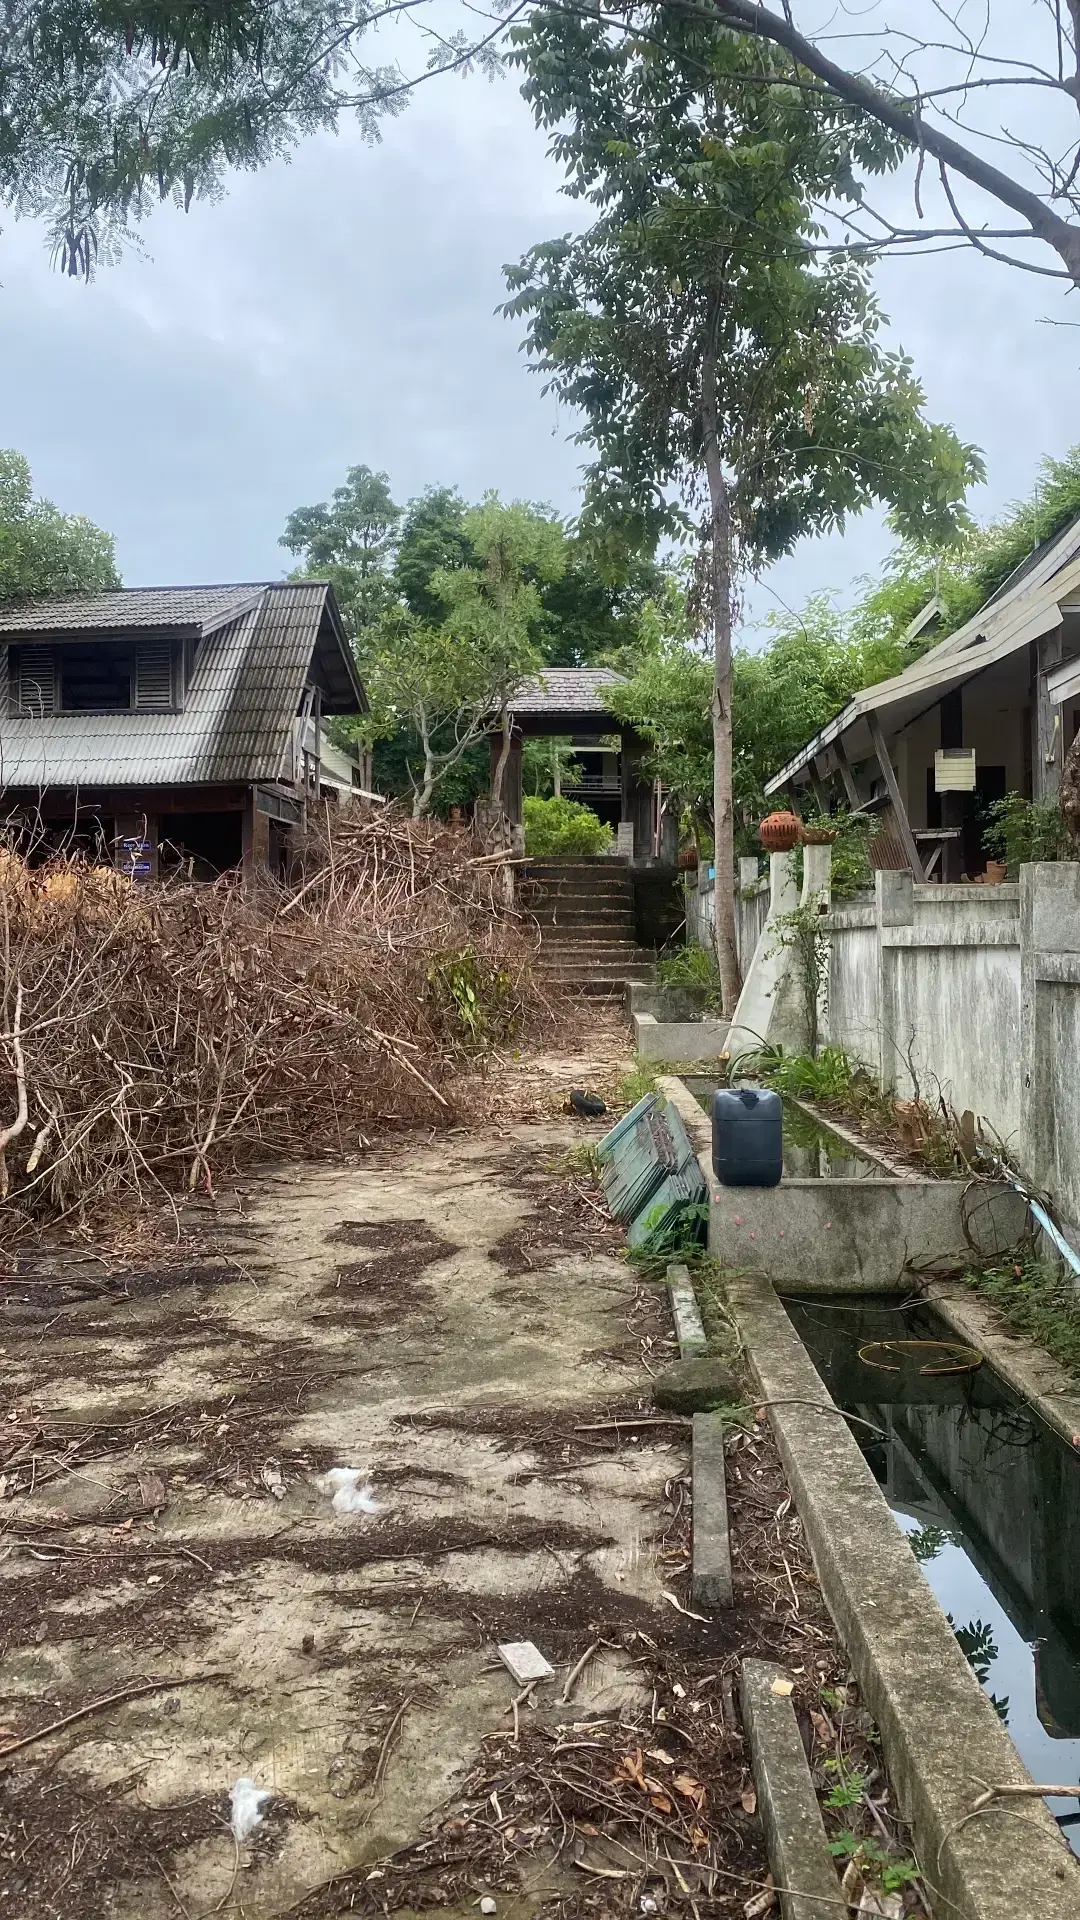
(720,573)
(556,771)
(504,755)
(422,794)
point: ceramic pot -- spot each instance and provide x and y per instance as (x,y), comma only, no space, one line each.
(818,836)
(996,871)
(779,832)
(687,859)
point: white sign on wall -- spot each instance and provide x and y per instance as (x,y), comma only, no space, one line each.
(954,770)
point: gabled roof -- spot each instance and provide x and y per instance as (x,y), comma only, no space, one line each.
(1032,602)
(566,690)
(186,611)
(254,650)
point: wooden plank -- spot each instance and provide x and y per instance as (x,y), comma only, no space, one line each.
(821,791)
(888,774)
(846,775)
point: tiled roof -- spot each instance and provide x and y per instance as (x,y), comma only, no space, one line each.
(574,690)
(130,609)
(236,724)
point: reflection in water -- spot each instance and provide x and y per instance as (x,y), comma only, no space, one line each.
(811,1152)
(989,1498)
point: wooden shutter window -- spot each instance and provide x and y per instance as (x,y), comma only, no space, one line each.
(36,682)
(153,676)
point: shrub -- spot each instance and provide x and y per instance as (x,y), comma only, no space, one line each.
(559,826)
(1019,830)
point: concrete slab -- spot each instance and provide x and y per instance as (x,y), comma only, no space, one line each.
(942,1739)
(787,1803)
(679,1040)
(710,1575)
(859,1236)
(689,1330)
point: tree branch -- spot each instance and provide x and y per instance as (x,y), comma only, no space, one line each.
(747,16)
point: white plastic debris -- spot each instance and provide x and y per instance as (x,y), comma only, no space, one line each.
(524,1661)
(246,1801)
(348,1494)
(487,1904)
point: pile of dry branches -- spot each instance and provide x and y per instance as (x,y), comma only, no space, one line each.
(151,1034)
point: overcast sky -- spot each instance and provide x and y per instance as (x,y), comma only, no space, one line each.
(340,308)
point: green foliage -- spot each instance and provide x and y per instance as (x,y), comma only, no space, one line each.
(668,701)
(44,551)
(829,1076)
(851,870)
(476,997)
(850,1784)
(689,966)
(350,540)
(431,539)
(889,1872)
(707,185)
(541,760)
(927,1542)
(108,108)
(1039,1299)
(809,669)
(558,828)
(635,1085)
(1022,830)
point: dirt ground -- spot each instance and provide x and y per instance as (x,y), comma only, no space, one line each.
(453,1316)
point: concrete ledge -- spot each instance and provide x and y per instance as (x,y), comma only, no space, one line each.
(710,1573)
(1028,1369)
(787,1804)
(943,1741)
(684,1311)
(688,1040)
(855,1236)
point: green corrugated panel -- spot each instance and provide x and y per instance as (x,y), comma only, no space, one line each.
(646,1148)
(664,1220)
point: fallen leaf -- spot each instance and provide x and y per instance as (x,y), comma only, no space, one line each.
(124,1527)
(690,1788)
(661,1803)
(762,1902)
(785,1688)
(151,1490)
(632,1767)
(820,1725)
(153,1579)
(657,1753)
(748,1800)
(273,1479)
(698,1838)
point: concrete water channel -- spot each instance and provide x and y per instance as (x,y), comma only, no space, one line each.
(989,1499)
(942,1513)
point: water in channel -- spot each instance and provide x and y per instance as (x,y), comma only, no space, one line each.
(989,1499)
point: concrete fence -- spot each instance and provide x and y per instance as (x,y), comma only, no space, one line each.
(970,993)
(751,909)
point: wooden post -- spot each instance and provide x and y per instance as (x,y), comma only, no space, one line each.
(1047,757)
(854,798)
(821,791)
(888,774)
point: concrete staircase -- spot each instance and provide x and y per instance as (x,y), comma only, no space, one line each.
(585,912)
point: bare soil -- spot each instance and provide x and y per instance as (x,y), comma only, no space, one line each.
(452,1315)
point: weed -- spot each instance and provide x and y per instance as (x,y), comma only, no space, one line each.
(583,1160)
(1037,1298)
(1020,830)
(690,966)
(475,997)
(851,1784)
(635,1085)
(889,1872)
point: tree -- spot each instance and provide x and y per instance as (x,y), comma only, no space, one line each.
(728,380)
(432,540)
(494,607)
(668,702)
(422,678)
(351,541)
(44,551)
(107,107)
